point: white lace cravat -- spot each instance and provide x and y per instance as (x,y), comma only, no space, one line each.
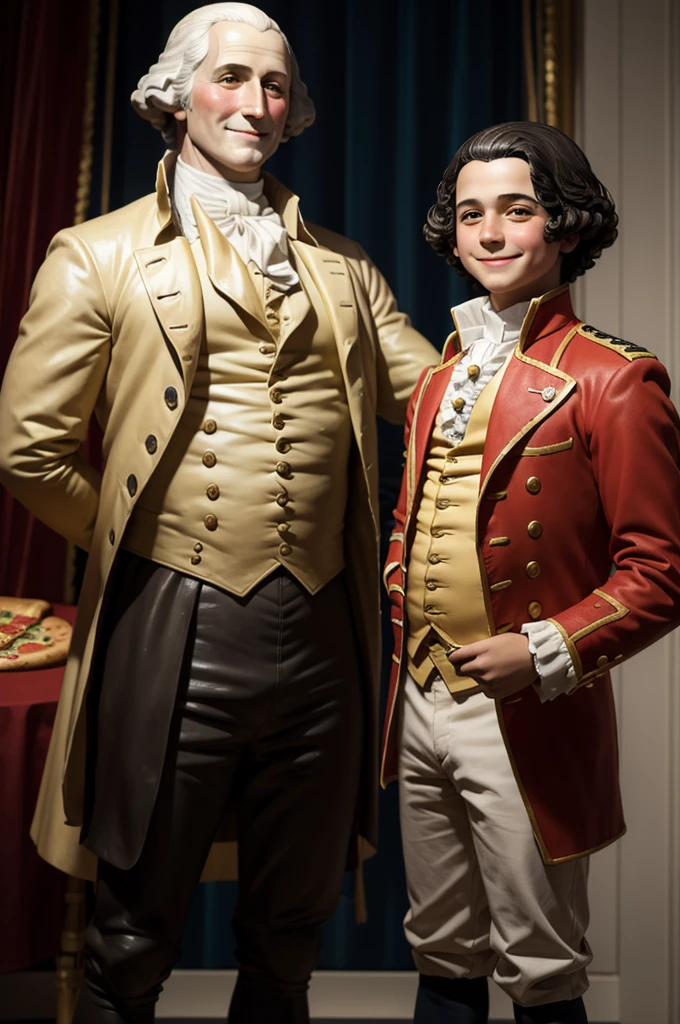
(241,211)
(487,339)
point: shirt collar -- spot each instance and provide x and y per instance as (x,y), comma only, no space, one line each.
(477,318)
(285,202)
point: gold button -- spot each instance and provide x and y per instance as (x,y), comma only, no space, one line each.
(285,549)
(431,585)
(433,559)
(276,396)
(283,527)
(458,404)
(533,485)
(278,421)
(473,372)
(442,503)
(282,499)
(267,350)
(533,570)
(195,559)
(534,529)
(446,479)
(535,609)
(213,492)
(210,426)
(210,522)
(198,546)
(282,446)
(283,468)
(209,459)
(602,661)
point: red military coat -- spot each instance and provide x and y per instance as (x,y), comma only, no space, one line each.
(580,472)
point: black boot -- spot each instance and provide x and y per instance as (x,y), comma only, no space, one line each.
(256,1003)
(97,1005)
(451,1000)
(568,1011)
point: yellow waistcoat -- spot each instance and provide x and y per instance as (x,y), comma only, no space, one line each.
(445,605)
(256,473)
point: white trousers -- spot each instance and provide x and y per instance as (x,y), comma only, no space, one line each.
(482,900)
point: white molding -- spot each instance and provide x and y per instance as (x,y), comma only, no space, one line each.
(341,995)
(629,126)
(673,316)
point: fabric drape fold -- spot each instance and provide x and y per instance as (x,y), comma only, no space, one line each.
(40,152)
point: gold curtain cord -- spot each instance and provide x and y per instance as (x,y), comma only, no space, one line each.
(548,39)
(85,169)
(109,99)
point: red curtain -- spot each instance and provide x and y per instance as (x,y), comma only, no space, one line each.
(43,69)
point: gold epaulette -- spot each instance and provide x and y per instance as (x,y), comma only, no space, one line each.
(624,348)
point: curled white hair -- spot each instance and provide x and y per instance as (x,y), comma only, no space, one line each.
(167,85)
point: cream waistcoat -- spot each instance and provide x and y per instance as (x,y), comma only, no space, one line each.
(256,473)
(445,606)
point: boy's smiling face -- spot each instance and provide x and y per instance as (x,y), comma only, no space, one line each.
(500,229)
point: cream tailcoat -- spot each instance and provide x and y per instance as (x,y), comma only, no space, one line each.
(114,328)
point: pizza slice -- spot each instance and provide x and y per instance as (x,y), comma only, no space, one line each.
(29,638)
(17,614)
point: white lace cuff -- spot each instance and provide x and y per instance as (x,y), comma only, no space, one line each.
(551,658)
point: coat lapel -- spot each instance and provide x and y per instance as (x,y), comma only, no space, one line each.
(226,270)
(531,390)
(424,415)
(174,289)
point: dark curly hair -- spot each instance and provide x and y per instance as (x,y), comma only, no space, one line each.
(565,186)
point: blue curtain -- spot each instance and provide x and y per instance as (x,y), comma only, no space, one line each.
(398,85)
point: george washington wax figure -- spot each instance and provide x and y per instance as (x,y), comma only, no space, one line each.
(222,680)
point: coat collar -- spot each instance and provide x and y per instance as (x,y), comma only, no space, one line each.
(546,314)
(285,202)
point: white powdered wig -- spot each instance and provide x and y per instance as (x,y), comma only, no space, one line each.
(167,85)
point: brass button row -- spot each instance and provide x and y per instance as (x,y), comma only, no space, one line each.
(278,421)
(209,459)
(213,492)
(209,427)
(210,522)
(535,609)
(283,469)
(533,485)
(534,529)
(532,570)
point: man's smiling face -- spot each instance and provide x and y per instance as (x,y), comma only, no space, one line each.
(239,102)
(500,228)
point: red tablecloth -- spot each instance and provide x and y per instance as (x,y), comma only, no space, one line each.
(31,892)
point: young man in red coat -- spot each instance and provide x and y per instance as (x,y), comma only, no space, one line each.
(535,546)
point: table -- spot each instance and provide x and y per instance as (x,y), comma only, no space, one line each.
(31,891)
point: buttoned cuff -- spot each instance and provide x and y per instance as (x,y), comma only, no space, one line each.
(551,658)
